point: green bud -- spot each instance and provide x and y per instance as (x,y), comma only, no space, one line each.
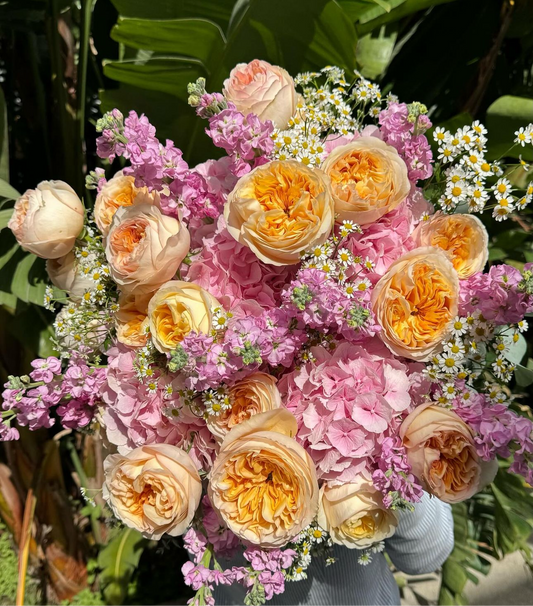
(178,359)
(301,296)
(250,354)
(357,316)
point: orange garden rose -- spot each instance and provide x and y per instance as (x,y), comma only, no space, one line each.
(463,237)
(441,451)
(154,489)
(132,320)
(354,514)
(144,248)
(279,210)
(249,396)
(263,483)
(369,179)
(415,303)
(262,89)
(47,220)
(176,309)
(119,191)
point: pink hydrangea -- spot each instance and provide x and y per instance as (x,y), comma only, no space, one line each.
(386,240)
(135,416)
(232,273)
(346,403)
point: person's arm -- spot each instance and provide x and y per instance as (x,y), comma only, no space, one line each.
(424,537)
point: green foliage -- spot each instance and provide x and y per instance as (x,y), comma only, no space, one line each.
(506,115)
(85,596)
(117,562)
(9,573)
(495,522)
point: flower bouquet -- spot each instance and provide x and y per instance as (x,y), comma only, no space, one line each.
(289,344)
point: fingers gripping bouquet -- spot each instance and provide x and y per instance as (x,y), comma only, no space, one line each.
(289,344)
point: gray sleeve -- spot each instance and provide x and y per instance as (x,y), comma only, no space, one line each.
(424,537)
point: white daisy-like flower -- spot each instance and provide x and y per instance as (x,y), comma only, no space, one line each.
(522,136)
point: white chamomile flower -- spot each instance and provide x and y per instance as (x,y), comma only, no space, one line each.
(299,574)
(522,326)
(524,164)
(459,326)
(449,391)
(479,128)
(447,153)
(457,191)
(496,169)
(455,348)
(364,559)
(478,197)
(502,210)
(449,363)
(441,135)
(344,257)
(466,137)
(502,188)
(319,254)
(368,264)
(522,136)
(473,160)
(362,285)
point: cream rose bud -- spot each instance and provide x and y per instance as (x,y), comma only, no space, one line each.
(463,238)
(131,320)
(66,274)
(249,396)
(144,248)
(263,483)
(154,489)
(354,514)
(442,454)
(280,210)
(119,191)
(47,220)
(265,90)
(369,179)
(177,309)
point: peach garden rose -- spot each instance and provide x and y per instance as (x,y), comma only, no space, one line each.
(262,89)
(176,309)
(118,192)
(47,220)
(144,248)
(442,454)
(369,179)
(131,320)
(279,210)
(154,489)
(249,396)
(354,514)
(415,303)
(463,237)
(263,483)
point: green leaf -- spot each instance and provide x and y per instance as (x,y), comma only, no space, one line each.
(454,575)
(117,561)
(166,74)
(5,215)
(402,10)
(4,141)
(523,376)
(505,116)
(6,191)
(517,350)
(196,38)
(374,53)
(215,10)
(30,280)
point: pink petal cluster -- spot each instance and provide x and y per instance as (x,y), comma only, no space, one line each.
(346,402)
(135,415)
(413,148)
(232,273)
(495,295)
(246,139)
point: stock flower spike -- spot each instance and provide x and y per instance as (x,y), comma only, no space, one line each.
(289,344)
